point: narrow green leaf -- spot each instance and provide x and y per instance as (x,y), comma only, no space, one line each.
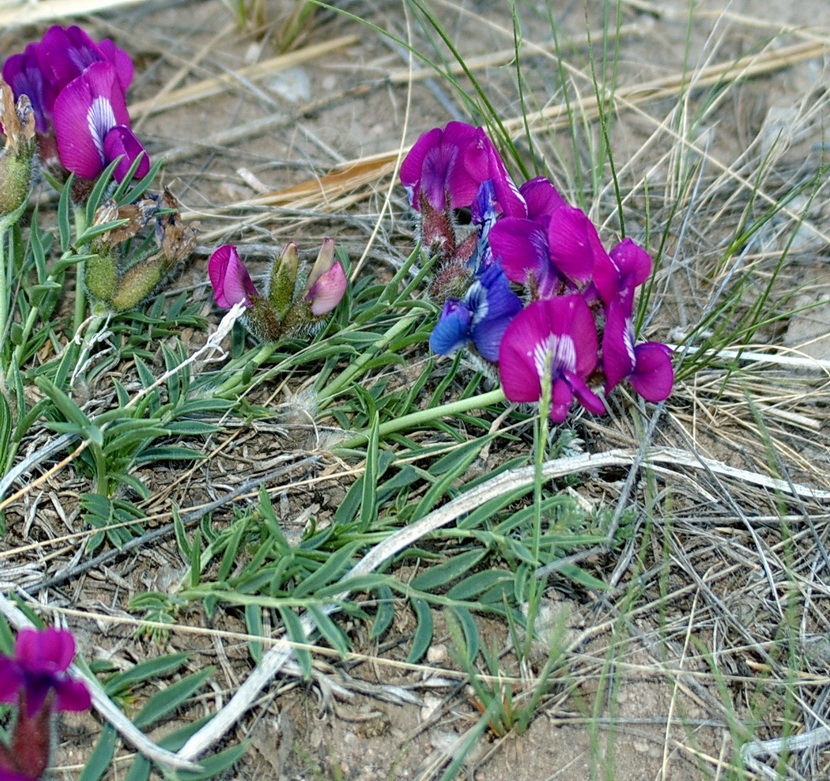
(214,765)
(101,757)
(422,639)
(329,630)
(181,535)
(142,672)
(385,613)
(368,499)
(294,630)
(450,570)
(328,572)
(472,587)
(65,214)
(170,698)
(253,622)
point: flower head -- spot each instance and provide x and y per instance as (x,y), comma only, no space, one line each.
(552,338)
(232,284)
(38,669)
(481,318)
(445,167)
(64,53)
(93,126)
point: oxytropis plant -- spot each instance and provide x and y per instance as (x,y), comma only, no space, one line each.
(35,681)
(529,286)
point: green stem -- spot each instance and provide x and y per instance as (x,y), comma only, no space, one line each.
(355,368)
(5,276)
(427,415)
(80,289)
(541,429)
(243,377)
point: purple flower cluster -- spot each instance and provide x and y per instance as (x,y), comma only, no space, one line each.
(77,89)
(35,678)
(573,325)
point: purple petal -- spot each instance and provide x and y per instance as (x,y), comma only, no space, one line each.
(653,376)
(23,74)
(120,59)
(72,695)
(542,198)
(49,650)
(574,243)
(453,328)
(231,281)
(64,54)
(518,372)
(561,399)
(413,164)
(633,261)
(573,317)
(85,111)
(617,344)
(11,679)
(510,201)
(120,142)
(11,775)
(522,247)
(585,396)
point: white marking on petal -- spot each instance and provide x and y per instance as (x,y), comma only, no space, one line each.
(100,118)
(628,339)
(558,352)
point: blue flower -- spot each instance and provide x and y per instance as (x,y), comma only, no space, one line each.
(481,317)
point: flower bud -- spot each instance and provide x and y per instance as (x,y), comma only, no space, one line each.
(232,284)
(327,292)
(283,279)
(18,155)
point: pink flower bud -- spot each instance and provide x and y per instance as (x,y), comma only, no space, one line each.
(328,290)
(231,281)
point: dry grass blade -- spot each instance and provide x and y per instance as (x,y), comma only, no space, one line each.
(215,86)
(673,85)
(47,10)
(365,171)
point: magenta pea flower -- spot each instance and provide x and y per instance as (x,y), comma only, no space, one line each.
(445,168)
(35,678)
(64,53)
(92,125)
(232,284)
(38,668)
(647,366)
(556,336)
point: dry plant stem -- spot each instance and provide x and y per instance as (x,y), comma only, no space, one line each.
(279,654)
(104,705)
